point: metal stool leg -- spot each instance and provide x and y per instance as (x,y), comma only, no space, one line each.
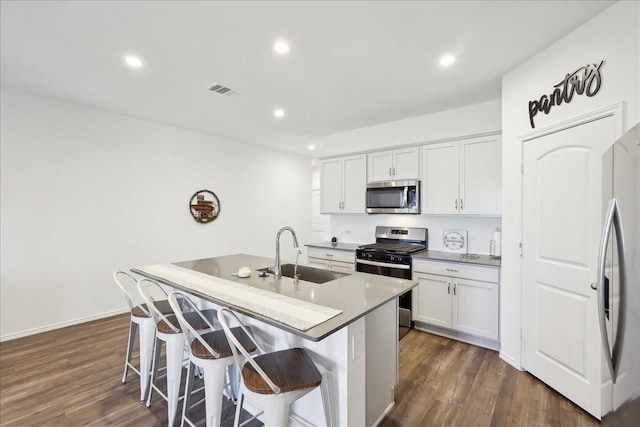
(133,328)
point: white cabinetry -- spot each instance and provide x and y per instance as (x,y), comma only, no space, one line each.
(463,177)
(390,165)
(343,184)
(459,297)
(338,260)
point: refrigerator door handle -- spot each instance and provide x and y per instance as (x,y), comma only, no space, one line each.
(622,286)
(602,257)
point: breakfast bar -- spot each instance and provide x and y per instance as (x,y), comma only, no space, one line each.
(348,324)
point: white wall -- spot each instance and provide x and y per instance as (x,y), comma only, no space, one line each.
(86,192)
(461,122)
(612,36)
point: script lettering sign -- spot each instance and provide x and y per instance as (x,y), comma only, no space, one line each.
(586,79)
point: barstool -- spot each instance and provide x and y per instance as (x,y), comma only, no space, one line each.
(272,380)
(140,318)
(211,353)
(168,331)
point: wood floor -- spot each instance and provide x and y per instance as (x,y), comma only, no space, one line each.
(71,377)
(449,383)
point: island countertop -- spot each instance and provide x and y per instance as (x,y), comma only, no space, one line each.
(355,294)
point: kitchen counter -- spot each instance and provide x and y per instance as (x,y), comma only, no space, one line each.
(340,246)
(355,294)
(356,351)
(484,260)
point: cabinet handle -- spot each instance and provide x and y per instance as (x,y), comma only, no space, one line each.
(454,288)
(394,170)
(329,254)
(390,174)
(448,288)
(461,205)
(456,205)
(452,270)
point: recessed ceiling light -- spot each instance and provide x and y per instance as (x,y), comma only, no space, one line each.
(278,112)
(133,61)
(281,47)
(312,147)
(447,60)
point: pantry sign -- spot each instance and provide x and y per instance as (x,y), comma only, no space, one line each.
(585,80)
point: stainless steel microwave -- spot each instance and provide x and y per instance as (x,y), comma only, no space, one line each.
(393,197)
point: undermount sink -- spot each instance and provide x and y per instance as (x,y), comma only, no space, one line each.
(308,274)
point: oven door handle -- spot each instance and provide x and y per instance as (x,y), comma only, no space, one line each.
(384,264)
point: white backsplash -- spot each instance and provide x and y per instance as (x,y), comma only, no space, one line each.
(358,228)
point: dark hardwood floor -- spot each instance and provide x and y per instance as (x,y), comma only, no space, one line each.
(71,377)
(449,383)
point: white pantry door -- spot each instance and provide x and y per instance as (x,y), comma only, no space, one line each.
(562,216)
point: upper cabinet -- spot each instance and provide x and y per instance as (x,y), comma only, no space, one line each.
(343,184)
(393,165)
(463,177)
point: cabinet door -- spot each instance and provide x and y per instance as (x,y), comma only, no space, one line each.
(481,176)
(380,166)
(475,307)
(432,300)
(440,178)
(355,184)
(331,186)
(406,163)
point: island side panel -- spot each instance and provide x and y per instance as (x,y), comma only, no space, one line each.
(381,347)
(344,376)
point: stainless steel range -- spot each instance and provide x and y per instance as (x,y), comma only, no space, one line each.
(391,256)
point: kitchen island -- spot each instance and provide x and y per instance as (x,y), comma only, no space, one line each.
(355,347)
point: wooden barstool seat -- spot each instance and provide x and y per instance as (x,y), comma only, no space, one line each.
(218,341)
(142,310)
(289,370)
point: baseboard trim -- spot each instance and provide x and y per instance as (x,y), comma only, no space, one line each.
(61,325)
(459,336)
(510,361)
(384,414)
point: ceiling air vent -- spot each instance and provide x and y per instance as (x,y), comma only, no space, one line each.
(223,90)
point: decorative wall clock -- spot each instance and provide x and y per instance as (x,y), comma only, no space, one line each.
(204,206)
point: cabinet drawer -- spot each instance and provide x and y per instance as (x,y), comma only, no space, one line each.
(332,255)
(463,271)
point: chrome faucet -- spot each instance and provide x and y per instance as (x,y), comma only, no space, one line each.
(277,269)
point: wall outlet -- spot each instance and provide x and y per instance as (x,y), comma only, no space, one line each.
(357,345)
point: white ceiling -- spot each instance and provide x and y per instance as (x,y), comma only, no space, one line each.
(352,64)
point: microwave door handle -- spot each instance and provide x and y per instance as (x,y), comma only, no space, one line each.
(405,197)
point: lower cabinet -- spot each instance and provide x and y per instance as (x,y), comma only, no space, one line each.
(338,260)
(457,297)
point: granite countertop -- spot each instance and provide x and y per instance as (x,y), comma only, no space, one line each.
(341,246)
(476,259)
(356,294)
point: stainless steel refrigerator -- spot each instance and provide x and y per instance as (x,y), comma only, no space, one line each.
(618,284)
